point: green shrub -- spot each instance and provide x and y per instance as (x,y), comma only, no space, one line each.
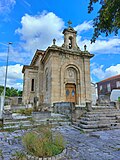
(118,99)
(26,111)
(1,125)
(40,143)
(1,153)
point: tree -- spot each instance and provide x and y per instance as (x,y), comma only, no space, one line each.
(108,18)
(10,92)
(20,93)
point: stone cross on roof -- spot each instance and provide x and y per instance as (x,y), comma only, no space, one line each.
(69,23)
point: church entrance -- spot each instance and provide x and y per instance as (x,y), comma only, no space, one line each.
(70,92)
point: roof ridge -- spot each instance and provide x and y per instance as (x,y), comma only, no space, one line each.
(109,78)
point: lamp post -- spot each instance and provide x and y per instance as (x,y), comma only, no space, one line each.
(9,43)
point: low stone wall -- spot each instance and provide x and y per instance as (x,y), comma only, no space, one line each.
(69,109)
(41,115)
(57,157)
(65,108)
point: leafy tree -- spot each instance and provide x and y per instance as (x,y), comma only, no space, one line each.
(1,90)
(20,93)
(108,18)
(10,92)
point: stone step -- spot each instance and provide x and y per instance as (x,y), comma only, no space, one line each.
(98,122)
(101,115)
(97,118)
(27,123)
(103,108)
(17,120)
(16,126)
(85,130)
(99,126)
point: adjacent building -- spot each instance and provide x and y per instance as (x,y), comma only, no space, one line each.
(106,86)
(59,74)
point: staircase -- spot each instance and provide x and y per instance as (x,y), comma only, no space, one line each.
(27,121)
(99,119)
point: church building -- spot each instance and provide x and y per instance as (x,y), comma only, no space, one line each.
(59,74)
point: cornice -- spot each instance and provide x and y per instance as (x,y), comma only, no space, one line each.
(36,56)
(29,67)
(54,48)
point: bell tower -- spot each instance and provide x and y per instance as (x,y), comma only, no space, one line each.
(70,38)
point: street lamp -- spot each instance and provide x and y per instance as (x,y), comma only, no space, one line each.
(9,43)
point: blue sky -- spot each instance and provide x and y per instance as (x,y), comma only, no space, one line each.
(32,24)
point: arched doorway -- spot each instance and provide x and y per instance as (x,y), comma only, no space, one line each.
(70,85)
(70,89)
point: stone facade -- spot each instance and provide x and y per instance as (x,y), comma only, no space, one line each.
(59,74)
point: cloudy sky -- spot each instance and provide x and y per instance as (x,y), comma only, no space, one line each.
(32,24)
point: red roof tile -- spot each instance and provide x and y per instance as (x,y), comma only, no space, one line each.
(110,78)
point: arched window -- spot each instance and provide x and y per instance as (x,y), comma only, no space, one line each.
(46,79)
(32,84)
(70,42)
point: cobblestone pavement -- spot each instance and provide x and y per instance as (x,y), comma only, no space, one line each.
(100,145)
(10,142)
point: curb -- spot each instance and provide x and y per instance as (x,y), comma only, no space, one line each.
(56,157)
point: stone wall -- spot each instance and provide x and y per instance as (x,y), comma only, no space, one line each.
(28,95)
(69,109)
(65,108)
(41,115)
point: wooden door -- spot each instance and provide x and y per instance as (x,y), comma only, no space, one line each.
(70,93)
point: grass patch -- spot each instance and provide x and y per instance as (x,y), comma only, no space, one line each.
(19,156)
(26,111)
(42,143)
(7,130)
(1,154)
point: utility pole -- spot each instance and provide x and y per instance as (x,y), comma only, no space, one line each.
(9,43)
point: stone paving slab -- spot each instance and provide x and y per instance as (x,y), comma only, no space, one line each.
(100,145)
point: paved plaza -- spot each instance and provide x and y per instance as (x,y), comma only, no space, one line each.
(100,145)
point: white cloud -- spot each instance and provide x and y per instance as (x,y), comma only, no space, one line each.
(108,46)
(100,73)
(38,31)
(85,26)
(6,5)
(13,77)
(16,55)
(114,69)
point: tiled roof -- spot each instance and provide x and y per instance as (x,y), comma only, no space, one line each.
(110,78)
